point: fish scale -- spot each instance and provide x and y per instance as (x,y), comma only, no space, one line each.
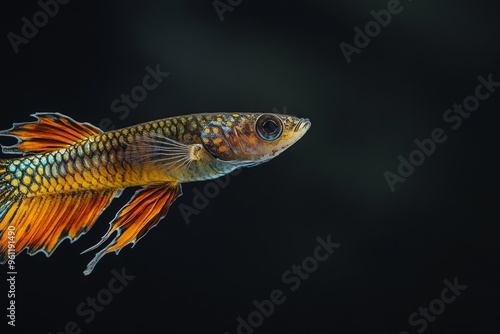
(97,163)
(70,172)
(66,171)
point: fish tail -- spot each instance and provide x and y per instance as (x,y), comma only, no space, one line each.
(41,223)
(35,220)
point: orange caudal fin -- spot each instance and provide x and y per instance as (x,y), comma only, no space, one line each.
(136,218)
(50,132)
(41,223)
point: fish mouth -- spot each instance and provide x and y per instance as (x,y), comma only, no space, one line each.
(303,125)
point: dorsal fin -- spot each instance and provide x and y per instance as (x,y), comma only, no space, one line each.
(51,131)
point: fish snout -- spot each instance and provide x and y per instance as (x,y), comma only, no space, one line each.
(303,125)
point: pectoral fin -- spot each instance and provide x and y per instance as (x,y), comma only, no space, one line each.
(136,218)
(168,154)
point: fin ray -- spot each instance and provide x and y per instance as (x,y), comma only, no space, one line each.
(146,208)
(168,153)
(43,222)
(51,131)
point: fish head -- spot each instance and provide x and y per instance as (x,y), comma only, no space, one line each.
(249,139)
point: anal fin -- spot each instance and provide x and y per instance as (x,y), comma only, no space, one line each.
(148,206)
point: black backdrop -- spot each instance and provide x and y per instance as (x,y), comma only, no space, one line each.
(396,247)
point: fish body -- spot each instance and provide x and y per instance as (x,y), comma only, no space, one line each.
(70,172)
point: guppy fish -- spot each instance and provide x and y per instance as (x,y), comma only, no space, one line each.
(71,171)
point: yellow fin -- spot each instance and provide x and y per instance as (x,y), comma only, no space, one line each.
(41,223)
(136,218)
(51,131)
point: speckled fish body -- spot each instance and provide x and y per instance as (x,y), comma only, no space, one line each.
(70,171)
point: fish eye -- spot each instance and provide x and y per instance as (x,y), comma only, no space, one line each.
(269,127)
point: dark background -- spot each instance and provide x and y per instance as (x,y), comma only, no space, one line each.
(396,247)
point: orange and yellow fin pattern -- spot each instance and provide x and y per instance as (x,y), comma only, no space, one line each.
(137,217)
(42,223)
(51,131)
